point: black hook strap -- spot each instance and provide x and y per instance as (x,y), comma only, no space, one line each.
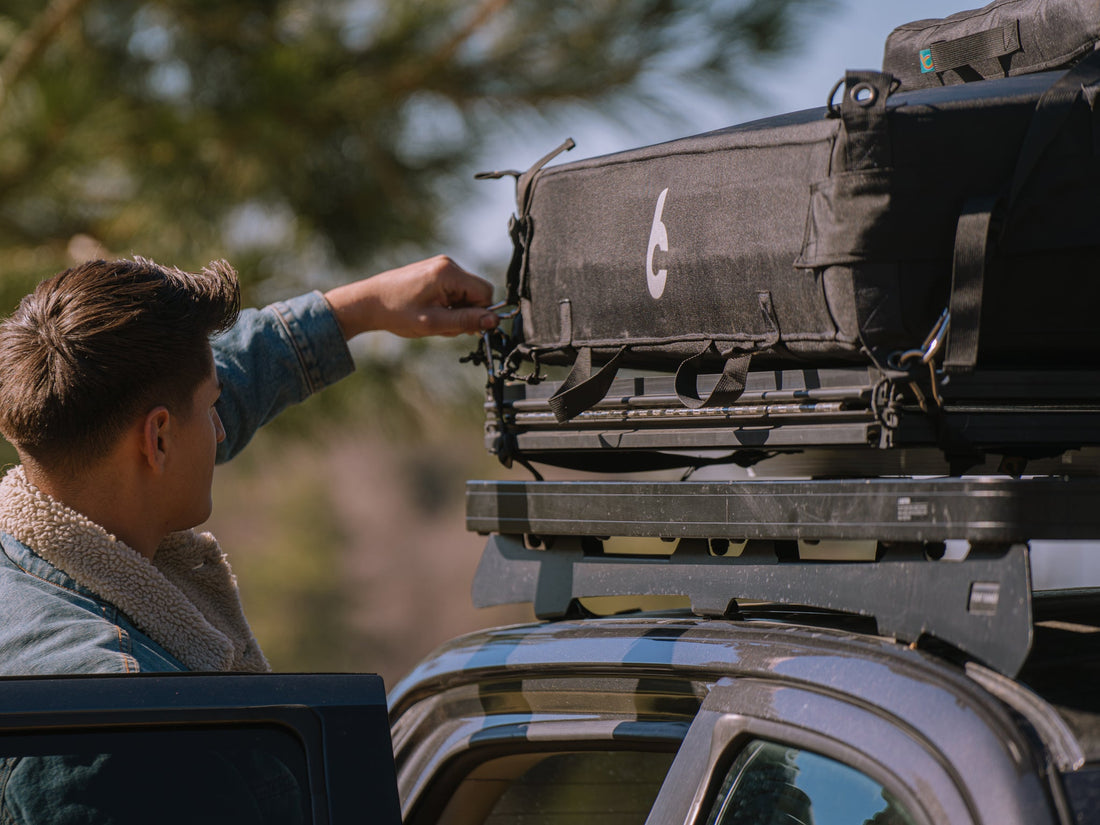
(582,390)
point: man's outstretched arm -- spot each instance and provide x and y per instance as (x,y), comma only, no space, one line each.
(432,297)
(281,354)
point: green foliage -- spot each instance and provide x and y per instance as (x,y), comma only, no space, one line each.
(297,137)
(294,567)
(309,141)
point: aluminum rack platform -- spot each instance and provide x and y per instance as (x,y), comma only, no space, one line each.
(547,548)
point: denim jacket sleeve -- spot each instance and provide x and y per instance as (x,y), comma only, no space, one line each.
(272,358)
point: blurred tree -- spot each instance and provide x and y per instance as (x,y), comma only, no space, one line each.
(305,140)
(302,136)
(312,140)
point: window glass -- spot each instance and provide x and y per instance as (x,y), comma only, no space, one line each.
(605,787)
(772,784)
(246,776)
(1083,790)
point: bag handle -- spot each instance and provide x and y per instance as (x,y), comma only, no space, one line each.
(962,52)
(735,370)
(582,390)
(730,386)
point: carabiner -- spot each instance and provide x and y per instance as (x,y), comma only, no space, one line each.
(504,316)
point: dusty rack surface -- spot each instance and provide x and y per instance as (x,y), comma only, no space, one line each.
(547,548)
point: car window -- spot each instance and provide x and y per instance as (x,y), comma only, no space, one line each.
(773,784)
(613,787)
(250,775)
(1083,790)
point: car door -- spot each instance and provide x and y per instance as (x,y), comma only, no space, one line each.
(778,750)
(183,748)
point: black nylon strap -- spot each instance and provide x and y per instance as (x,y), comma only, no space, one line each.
(525,181)
(519,229)
(730,386)
(972,248)
(966,51)
(975,228)
(581,390)
(731,383)
(1050,113)
(863,110)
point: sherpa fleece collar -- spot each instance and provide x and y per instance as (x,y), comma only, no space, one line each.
(186,598)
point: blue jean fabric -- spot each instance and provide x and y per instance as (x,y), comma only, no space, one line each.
(272,358)
(49,623)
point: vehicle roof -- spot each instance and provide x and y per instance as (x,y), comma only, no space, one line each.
(1064,664)
(838,652)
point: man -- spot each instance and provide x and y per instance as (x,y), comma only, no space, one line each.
(119,406)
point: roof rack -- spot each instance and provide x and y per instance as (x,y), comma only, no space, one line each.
(1020,413)
(547,548)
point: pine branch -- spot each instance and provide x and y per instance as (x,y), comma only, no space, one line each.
(32,42)
(409,80)
(482,15)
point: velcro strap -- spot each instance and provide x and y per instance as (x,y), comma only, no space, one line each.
(985,45)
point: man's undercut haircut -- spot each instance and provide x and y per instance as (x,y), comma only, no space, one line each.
(102,343)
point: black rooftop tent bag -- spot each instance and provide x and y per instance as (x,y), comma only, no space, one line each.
(1003,39)
(825,237)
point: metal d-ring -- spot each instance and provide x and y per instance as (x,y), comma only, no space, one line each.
(834,110)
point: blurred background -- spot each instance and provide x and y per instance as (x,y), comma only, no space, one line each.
(314,141)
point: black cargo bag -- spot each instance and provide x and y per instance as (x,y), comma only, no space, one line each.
(823,237)
(1004,39)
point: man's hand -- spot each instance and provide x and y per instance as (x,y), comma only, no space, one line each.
(432,297)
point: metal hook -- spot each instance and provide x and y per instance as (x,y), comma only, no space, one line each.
(504,316)
(934,342)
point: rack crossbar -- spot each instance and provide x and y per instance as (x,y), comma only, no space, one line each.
(988,510)
(981,604)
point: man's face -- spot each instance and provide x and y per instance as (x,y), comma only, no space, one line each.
(197,431)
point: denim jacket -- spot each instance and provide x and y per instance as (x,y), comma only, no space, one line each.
(49,623)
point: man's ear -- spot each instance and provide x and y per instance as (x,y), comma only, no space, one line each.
(155,431)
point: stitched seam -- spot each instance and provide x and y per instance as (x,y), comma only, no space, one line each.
(126,659)
(278,309)
(47,581)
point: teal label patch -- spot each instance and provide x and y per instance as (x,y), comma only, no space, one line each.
(926,64)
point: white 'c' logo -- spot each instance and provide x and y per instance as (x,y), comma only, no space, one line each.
(658,239)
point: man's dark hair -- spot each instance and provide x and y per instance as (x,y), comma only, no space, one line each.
(101,343)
